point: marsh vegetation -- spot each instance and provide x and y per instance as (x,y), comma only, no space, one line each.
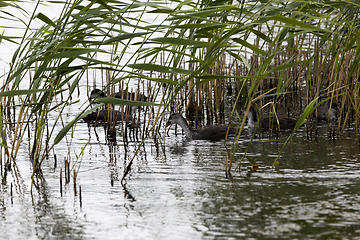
(208,60)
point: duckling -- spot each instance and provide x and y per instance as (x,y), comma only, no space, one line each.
(276,123)
(97,93)
(131,96)
(322,113)
(107,115)
(213,132)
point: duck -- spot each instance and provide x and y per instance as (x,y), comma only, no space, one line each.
(212,132)
(269,123)
(97,93)
(131,96)
(322,113)
(106,115)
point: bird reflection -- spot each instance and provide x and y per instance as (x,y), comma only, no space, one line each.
(179,148)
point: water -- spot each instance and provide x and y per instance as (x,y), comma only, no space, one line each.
(312,194)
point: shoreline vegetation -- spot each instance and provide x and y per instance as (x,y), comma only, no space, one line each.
(280,54)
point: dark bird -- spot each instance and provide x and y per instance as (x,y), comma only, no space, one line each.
(133,96)
(107,115)
(270,123)
(213,132)
(96,93)
(327,113)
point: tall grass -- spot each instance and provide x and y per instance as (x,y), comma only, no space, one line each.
(256,51)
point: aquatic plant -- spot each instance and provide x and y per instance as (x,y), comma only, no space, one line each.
(193,59)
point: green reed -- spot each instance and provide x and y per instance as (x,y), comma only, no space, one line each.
(265,52)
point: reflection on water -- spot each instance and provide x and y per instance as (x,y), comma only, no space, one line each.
(184,194)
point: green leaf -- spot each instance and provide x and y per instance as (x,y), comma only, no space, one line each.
(69,53)
(241,58)
(248,45)
(23,92)
(308,110)
(45,19)
(287,65)
(293,22)
(355,63)
(159,68)
(123,37)
(118,101)
(251,160)
(352,42)
(68,126)
(143,76)
(181,41)
(214,76)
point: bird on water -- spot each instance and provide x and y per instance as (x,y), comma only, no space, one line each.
(327,113)
(212,133)
(270,123)
(107,115)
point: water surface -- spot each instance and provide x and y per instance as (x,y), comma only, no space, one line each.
(185,194)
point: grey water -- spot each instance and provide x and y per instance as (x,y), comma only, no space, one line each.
(184,193)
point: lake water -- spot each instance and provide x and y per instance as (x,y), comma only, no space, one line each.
(183,192)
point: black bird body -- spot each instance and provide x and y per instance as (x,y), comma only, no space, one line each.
(106,115)
(270,123)
(131,96)
(112,115)
(327,113)
(212,133)
(97,93)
